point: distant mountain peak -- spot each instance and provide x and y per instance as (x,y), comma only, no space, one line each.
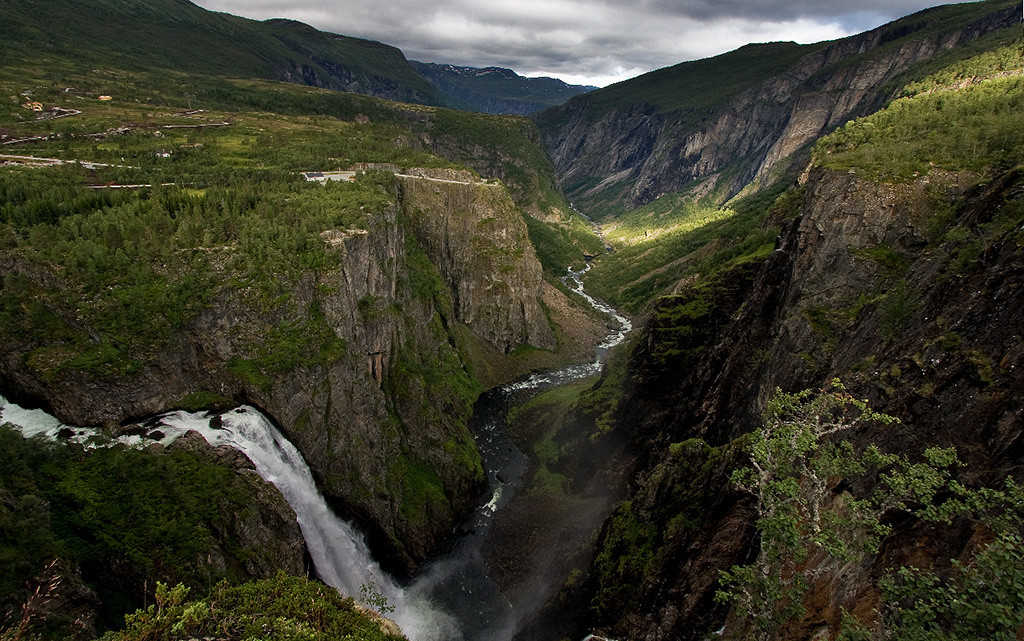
(497,89)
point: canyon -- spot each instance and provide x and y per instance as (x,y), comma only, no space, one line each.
(439,274)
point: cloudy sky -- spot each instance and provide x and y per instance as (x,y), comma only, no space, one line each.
(580,41)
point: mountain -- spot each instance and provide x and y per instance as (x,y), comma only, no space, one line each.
(903,289)
(160,248)
(497,90)
(722,123)
(881,274)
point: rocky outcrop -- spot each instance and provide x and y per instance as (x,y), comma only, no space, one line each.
(267,532)
(634,153)
(482,249)
(867,285)
(363,365)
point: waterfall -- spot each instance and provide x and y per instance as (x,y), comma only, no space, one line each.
(341,556)
(339,552)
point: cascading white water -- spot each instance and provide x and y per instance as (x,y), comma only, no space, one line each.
(574,281)
(341,556)
(339,552)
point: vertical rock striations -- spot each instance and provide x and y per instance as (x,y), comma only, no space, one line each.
(631,150)
(472,231)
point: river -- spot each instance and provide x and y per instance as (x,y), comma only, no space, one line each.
(452,598)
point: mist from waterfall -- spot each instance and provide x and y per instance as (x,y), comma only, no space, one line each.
(339,552)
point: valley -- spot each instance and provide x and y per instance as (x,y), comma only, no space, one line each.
(776,395)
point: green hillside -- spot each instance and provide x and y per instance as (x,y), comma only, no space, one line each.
(701,84)
(178,35)
(710,83)
(962,117)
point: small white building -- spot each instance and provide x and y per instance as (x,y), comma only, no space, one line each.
(324,176)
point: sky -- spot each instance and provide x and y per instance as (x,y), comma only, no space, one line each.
(591,42)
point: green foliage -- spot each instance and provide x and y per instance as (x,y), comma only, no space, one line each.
(423,492)
(106,278)
(792,463)
(796,457)
(898,306)
(424,279)
(601,401)
(195,401)
(996,54)
(628,549)
(891,262)
(959,128)
(545,426)
(685,324)
(152,516)
(371,596)
(138,266)
(983,599)
(644,536)
(500,146)
(697,239)
(560,246)
(280,609)
(307,341)
(957,112)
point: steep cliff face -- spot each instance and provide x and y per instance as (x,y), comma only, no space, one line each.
(362,365)
(482,249)
(908,293)
(633,153)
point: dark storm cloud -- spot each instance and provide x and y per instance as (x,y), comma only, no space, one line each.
(583,41)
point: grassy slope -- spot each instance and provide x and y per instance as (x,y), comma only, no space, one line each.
(965,116)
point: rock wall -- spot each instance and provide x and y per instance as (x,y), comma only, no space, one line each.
(634,154)
(482,249)
(867,285)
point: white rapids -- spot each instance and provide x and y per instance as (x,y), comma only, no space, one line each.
(573,280)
